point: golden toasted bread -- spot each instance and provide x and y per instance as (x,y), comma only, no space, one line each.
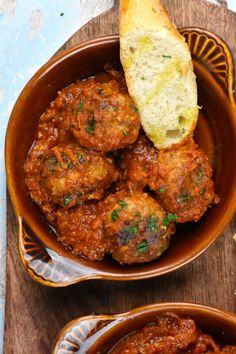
(159,71)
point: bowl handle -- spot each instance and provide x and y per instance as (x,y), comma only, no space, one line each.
(73,338)
(45,265)
(214,54)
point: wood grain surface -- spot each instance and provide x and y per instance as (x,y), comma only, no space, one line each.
(35,314)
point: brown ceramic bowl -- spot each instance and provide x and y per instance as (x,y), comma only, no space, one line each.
(98,334)
(44,258)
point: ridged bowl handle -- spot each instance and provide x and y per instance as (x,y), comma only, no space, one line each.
(214,54)
(45,265)
(73,337)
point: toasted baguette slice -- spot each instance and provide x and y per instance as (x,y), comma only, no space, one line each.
(159,71)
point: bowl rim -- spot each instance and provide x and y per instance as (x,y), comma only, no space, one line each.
(108,275)
(116,318)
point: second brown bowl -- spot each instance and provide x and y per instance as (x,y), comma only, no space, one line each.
(98,334)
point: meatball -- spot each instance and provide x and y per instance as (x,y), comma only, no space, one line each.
(138,228)
(82,230)
(182,180)
(100,115)
(137,161)
(205,344)
(73,175)
(170,334)
(32,168)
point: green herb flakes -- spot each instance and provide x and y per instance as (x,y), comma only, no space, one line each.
(133,107)
(91,126)
(67,199)
(131,230)
(123,204)
(53,162)
(169,218)
(184,198)
(124,133)
(80,106)
(166,56)
(200,174)
(138,215)
(152,224)
(162,189)
(142,246)
(81,158)
(115,215)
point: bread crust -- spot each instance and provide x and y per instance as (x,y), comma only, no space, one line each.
(145,14)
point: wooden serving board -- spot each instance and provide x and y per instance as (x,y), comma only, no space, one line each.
(35,314)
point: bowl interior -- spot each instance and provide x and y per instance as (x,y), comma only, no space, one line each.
(220,325)
(215,133)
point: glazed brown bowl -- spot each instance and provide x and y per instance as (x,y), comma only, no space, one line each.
(99,333)
(45,259)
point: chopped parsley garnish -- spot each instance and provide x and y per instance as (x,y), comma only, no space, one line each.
(143,78)
(62,14)
(152,224)
(133,107)
(91,126)
(124,133)
(123,204)
(203,192)
(70,125)
(169,218)
(200,174)
(74,110)
(131,230)
(138,214)
(115,215)
(162,189)
(167,56)
(80,106)
(67,199)
(53,161)
(142,246)
(184,198)
(81,158)
(135,228)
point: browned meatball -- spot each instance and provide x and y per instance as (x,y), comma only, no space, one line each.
(81,229)
(138,228)
(33,180)
(73,175)
(100,115)
(182,180)
(137,161)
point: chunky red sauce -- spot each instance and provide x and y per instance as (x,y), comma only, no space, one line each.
(102,184)
(170,334)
